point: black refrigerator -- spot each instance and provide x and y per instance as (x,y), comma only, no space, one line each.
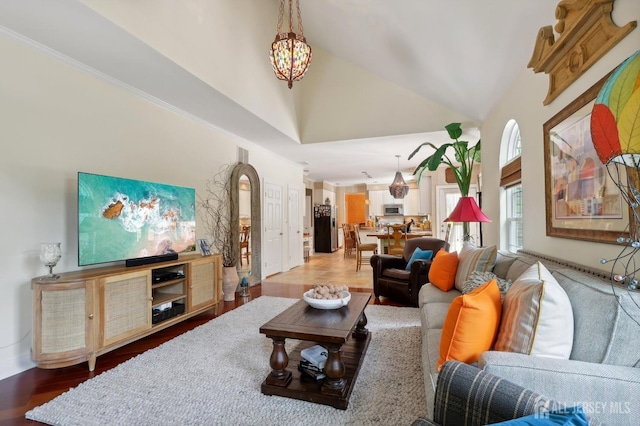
(325,233)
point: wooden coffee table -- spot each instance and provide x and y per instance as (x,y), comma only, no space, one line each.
(342,331)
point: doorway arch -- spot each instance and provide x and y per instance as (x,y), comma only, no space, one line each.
(242,169)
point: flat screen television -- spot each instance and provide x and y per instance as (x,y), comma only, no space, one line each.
(124,219)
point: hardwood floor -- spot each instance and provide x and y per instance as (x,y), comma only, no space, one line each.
(24,391)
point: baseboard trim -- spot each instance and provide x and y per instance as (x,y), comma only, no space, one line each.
(12,366)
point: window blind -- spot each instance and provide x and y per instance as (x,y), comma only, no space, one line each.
(511,174)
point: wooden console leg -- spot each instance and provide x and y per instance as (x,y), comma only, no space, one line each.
(334,370)
(92,363)
(279,360)
(361,331)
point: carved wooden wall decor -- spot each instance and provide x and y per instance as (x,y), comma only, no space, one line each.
(586,32)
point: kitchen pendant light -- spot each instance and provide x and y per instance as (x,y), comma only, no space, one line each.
(290,54)
(398,187)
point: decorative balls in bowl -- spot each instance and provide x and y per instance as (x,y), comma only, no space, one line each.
(328,296)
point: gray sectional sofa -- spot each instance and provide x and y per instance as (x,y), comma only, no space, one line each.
(467,396)
(602,373)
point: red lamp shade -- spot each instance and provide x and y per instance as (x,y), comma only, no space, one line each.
(467,211)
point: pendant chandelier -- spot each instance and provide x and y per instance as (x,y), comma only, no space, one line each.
(290,54)
(398,187)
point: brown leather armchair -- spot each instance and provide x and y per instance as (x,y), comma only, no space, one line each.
(390,279)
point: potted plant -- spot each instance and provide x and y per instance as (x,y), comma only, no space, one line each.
(462,168)
(214,208)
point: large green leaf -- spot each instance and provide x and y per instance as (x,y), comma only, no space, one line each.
(454,130)
(415,151)
(460,148)
(436,159)
(474,153)
(421,166)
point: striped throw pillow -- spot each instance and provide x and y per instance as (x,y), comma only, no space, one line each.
(476,279)
(537,318)
(472,258)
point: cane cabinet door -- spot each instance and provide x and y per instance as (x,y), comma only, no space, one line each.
(63,322)
(202,282)
(125,306)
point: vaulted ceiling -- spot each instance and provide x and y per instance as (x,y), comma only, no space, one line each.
(386,75)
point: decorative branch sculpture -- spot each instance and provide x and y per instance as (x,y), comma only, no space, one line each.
(214,208)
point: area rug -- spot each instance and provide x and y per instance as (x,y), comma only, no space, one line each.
(211,375)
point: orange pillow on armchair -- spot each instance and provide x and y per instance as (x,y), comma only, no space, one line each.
(442,273)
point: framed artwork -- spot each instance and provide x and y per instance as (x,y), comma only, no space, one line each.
(204,247)
(582,200)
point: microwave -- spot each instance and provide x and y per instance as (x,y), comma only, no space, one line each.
(393,210)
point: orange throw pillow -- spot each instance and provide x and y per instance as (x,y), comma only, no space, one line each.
(442,273)
(471,325)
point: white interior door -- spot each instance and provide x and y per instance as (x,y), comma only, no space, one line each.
(295,235)
(272,228)
(448,196)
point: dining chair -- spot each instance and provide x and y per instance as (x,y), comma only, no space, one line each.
(349,241)
(361,247)
(244,243)
(396,239)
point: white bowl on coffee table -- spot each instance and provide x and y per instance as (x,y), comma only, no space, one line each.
(326,303)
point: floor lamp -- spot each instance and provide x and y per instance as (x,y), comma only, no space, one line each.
(466,211)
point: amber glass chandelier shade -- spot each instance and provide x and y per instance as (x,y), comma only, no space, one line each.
(290,54)
(467,210)
(290,57)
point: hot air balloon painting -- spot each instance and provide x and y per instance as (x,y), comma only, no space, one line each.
(615,119)
(615,133)
(581,200)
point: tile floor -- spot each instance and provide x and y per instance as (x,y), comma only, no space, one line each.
(327,268)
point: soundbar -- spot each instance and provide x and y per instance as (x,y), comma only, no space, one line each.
(151,259)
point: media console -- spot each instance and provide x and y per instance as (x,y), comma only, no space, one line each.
(84,314)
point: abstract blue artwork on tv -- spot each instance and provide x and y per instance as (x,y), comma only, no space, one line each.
(120,219)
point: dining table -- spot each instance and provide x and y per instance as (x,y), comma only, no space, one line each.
(383,237)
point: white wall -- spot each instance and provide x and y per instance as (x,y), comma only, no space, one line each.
(197,35)
(57,121)
(374,107)
(523,103)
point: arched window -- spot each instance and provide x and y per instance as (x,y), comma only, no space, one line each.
(510,181)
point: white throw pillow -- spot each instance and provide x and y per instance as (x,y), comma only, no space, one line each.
(536,316)
(472,258)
